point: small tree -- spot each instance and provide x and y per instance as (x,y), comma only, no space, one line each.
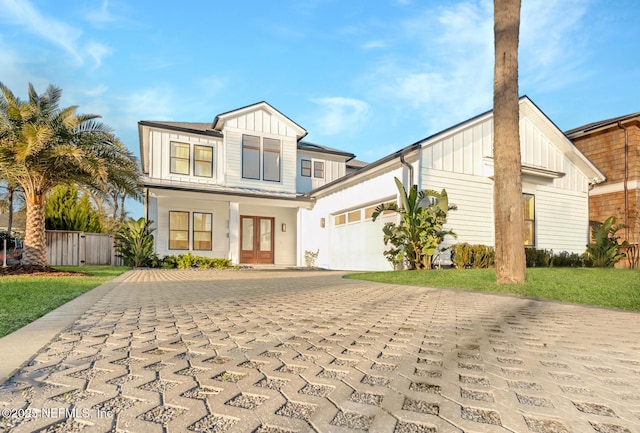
(416,238)
(134,242)
(65,209)
(604,250)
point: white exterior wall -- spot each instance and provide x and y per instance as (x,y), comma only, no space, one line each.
(263,124)
(460,161)
(562,220)
(334,168)
(160,156)
(189,202)
(353,246)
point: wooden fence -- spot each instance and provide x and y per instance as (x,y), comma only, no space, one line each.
(66,248)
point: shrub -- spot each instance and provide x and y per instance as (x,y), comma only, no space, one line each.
(461,255)
(310,258)
(536,258)
(604,250)
(483,256)
(188,261)
(564,259)
(134,242)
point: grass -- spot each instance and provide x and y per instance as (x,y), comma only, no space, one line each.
(23,299)
(614,288)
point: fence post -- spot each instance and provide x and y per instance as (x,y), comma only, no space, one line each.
(4,257)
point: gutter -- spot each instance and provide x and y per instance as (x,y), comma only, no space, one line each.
(410,167)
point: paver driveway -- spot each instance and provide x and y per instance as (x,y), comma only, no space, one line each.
(276,351)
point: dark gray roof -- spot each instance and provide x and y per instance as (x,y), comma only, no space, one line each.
(313,147)
(197,127)
(602,123)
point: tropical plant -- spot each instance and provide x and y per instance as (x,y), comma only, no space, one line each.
(461,255)
(43,145)
(416,238)
(538,258)
(507,186)
(65,209)
(135,242)
(604,249)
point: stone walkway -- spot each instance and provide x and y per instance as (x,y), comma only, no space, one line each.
(277,351)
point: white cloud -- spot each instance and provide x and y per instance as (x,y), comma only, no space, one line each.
(375,45)
(100,16)
(56,32)
(445,72)
(340,115)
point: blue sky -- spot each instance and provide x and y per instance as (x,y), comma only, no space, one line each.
(366,76)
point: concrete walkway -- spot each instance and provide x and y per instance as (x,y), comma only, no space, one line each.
(277,351)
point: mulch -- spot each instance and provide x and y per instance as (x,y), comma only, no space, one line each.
(36,271)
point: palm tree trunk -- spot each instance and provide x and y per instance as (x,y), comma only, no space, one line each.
(35,246)
(507,191)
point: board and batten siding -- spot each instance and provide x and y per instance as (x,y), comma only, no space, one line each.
(288,149)
(160,156)
(460,160)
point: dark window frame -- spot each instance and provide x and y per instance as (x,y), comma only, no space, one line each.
(525,198)
(194,231)
(318,167)
(195,161)
(173,158)
(305,169)
(266,149)
(244,161)
(171,230)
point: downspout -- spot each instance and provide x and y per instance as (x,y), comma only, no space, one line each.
(410,167)
(626,180)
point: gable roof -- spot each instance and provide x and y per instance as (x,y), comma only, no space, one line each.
(220,119)
(602,124)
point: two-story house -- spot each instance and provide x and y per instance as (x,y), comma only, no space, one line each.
(248,187)
(234,187)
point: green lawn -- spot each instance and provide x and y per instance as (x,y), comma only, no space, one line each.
(617,288)
(23,298)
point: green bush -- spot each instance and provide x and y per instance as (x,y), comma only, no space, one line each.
(461,255)
(565,259)
(134,242)
(188,261)
(537,258)
(483,256)
(604,249)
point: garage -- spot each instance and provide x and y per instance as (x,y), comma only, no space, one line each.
(356,241)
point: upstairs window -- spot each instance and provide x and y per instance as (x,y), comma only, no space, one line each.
(318,169)
(250,157)
(179,158)
(529,211)
(203,161)
(253,152)
(178,230)
(271,158)
(305,168)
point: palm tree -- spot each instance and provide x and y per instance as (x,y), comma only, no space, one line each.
(43,145)
(507,190)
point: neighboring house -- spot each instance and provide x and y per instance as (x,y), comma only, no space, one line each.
(614,146)
(248,187)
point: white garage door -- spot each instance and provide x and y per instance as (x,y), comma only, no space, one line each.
(357,242)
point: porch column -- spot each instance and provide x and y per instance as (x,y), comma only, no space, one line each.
(234,232)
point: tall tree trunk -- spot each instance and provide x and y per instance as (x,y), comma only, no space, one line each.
(35,246)
(10,190)
(507,190)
